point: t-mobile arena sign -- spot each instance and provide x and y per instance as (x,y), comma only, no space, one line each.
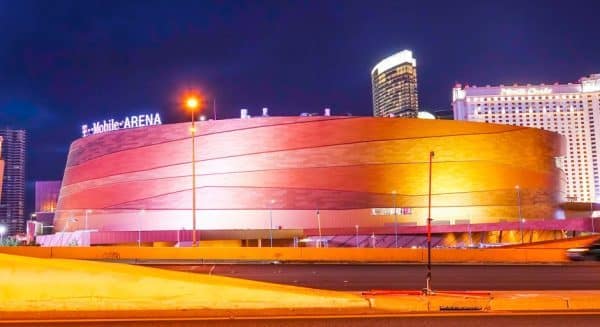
(115,125)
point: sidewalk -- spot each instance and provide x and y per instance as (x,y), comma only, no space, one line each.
(488,301)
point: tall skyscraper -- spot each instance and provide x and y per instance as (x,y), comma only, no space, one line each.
(394,82)
(572,110)
(12,199)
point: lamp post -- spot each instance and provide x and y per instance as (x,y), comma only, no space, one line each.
(192,104)
(87,211)
(271,221)
(428,284)
(592,216)
(518,188)
(356,238)
(395,219)
(319,225)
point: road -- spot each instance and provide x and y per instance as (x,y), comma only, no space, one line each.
(353,277)
(546,319)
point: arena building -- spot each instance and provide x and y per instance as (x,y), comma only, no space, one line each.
(289,177)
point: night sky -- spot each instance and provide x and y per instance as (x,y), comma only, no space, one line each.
(65,63)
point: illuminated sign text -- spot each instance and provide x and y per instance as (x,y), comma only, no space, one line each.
(526,91)
(115,125)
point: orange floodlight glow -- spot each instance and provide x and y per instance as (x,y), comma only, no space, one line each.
(192,102)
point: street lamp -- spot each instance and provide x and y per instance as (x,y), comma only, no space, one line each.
(518,188)
(271,221)
(87,211)
(395,218)
(592,216)
(192,103)
(428,289)
(2,232)
(319,225)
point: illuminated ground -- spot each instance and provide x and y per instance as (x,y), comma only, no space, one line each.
(31,284)
(50,289)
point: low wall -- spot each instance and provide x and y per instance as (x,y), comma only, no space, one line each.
(295,254)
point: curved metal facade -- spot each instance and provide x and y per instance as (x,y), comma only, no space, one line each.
(287,168)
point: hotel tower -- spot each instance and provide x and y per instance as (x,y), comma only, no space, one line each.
(572,110)
(394,82)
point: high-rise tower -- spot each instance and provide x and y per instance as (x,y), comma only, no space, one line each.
(394,82)
(572,110)
(12,198)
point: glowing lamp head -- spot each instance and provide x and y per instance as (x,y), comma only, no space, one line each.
(191,103)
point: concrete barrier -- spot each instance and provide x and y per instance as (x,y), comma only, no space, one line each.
(295,254)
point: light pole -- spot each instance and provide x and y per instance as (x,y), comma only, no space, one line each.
(356,238)
(271,221)
(428,289)
(87,211)
(592,216)
(395,219)
(192,104)
(518,188)
(319,225)
(2,232)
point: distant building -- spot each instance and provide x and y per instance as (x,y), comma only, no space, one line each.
(394,82)
(12,199)
(572,110)
(46,199)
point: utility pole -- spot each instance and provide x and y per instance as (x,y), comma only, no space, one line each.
(395,219)
(518,188)
(428,289)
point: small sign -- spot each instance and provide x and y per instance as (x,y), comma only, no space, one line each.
(390,211)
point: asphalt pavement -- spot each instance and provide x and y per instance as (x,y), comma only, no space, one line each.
(361,277)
